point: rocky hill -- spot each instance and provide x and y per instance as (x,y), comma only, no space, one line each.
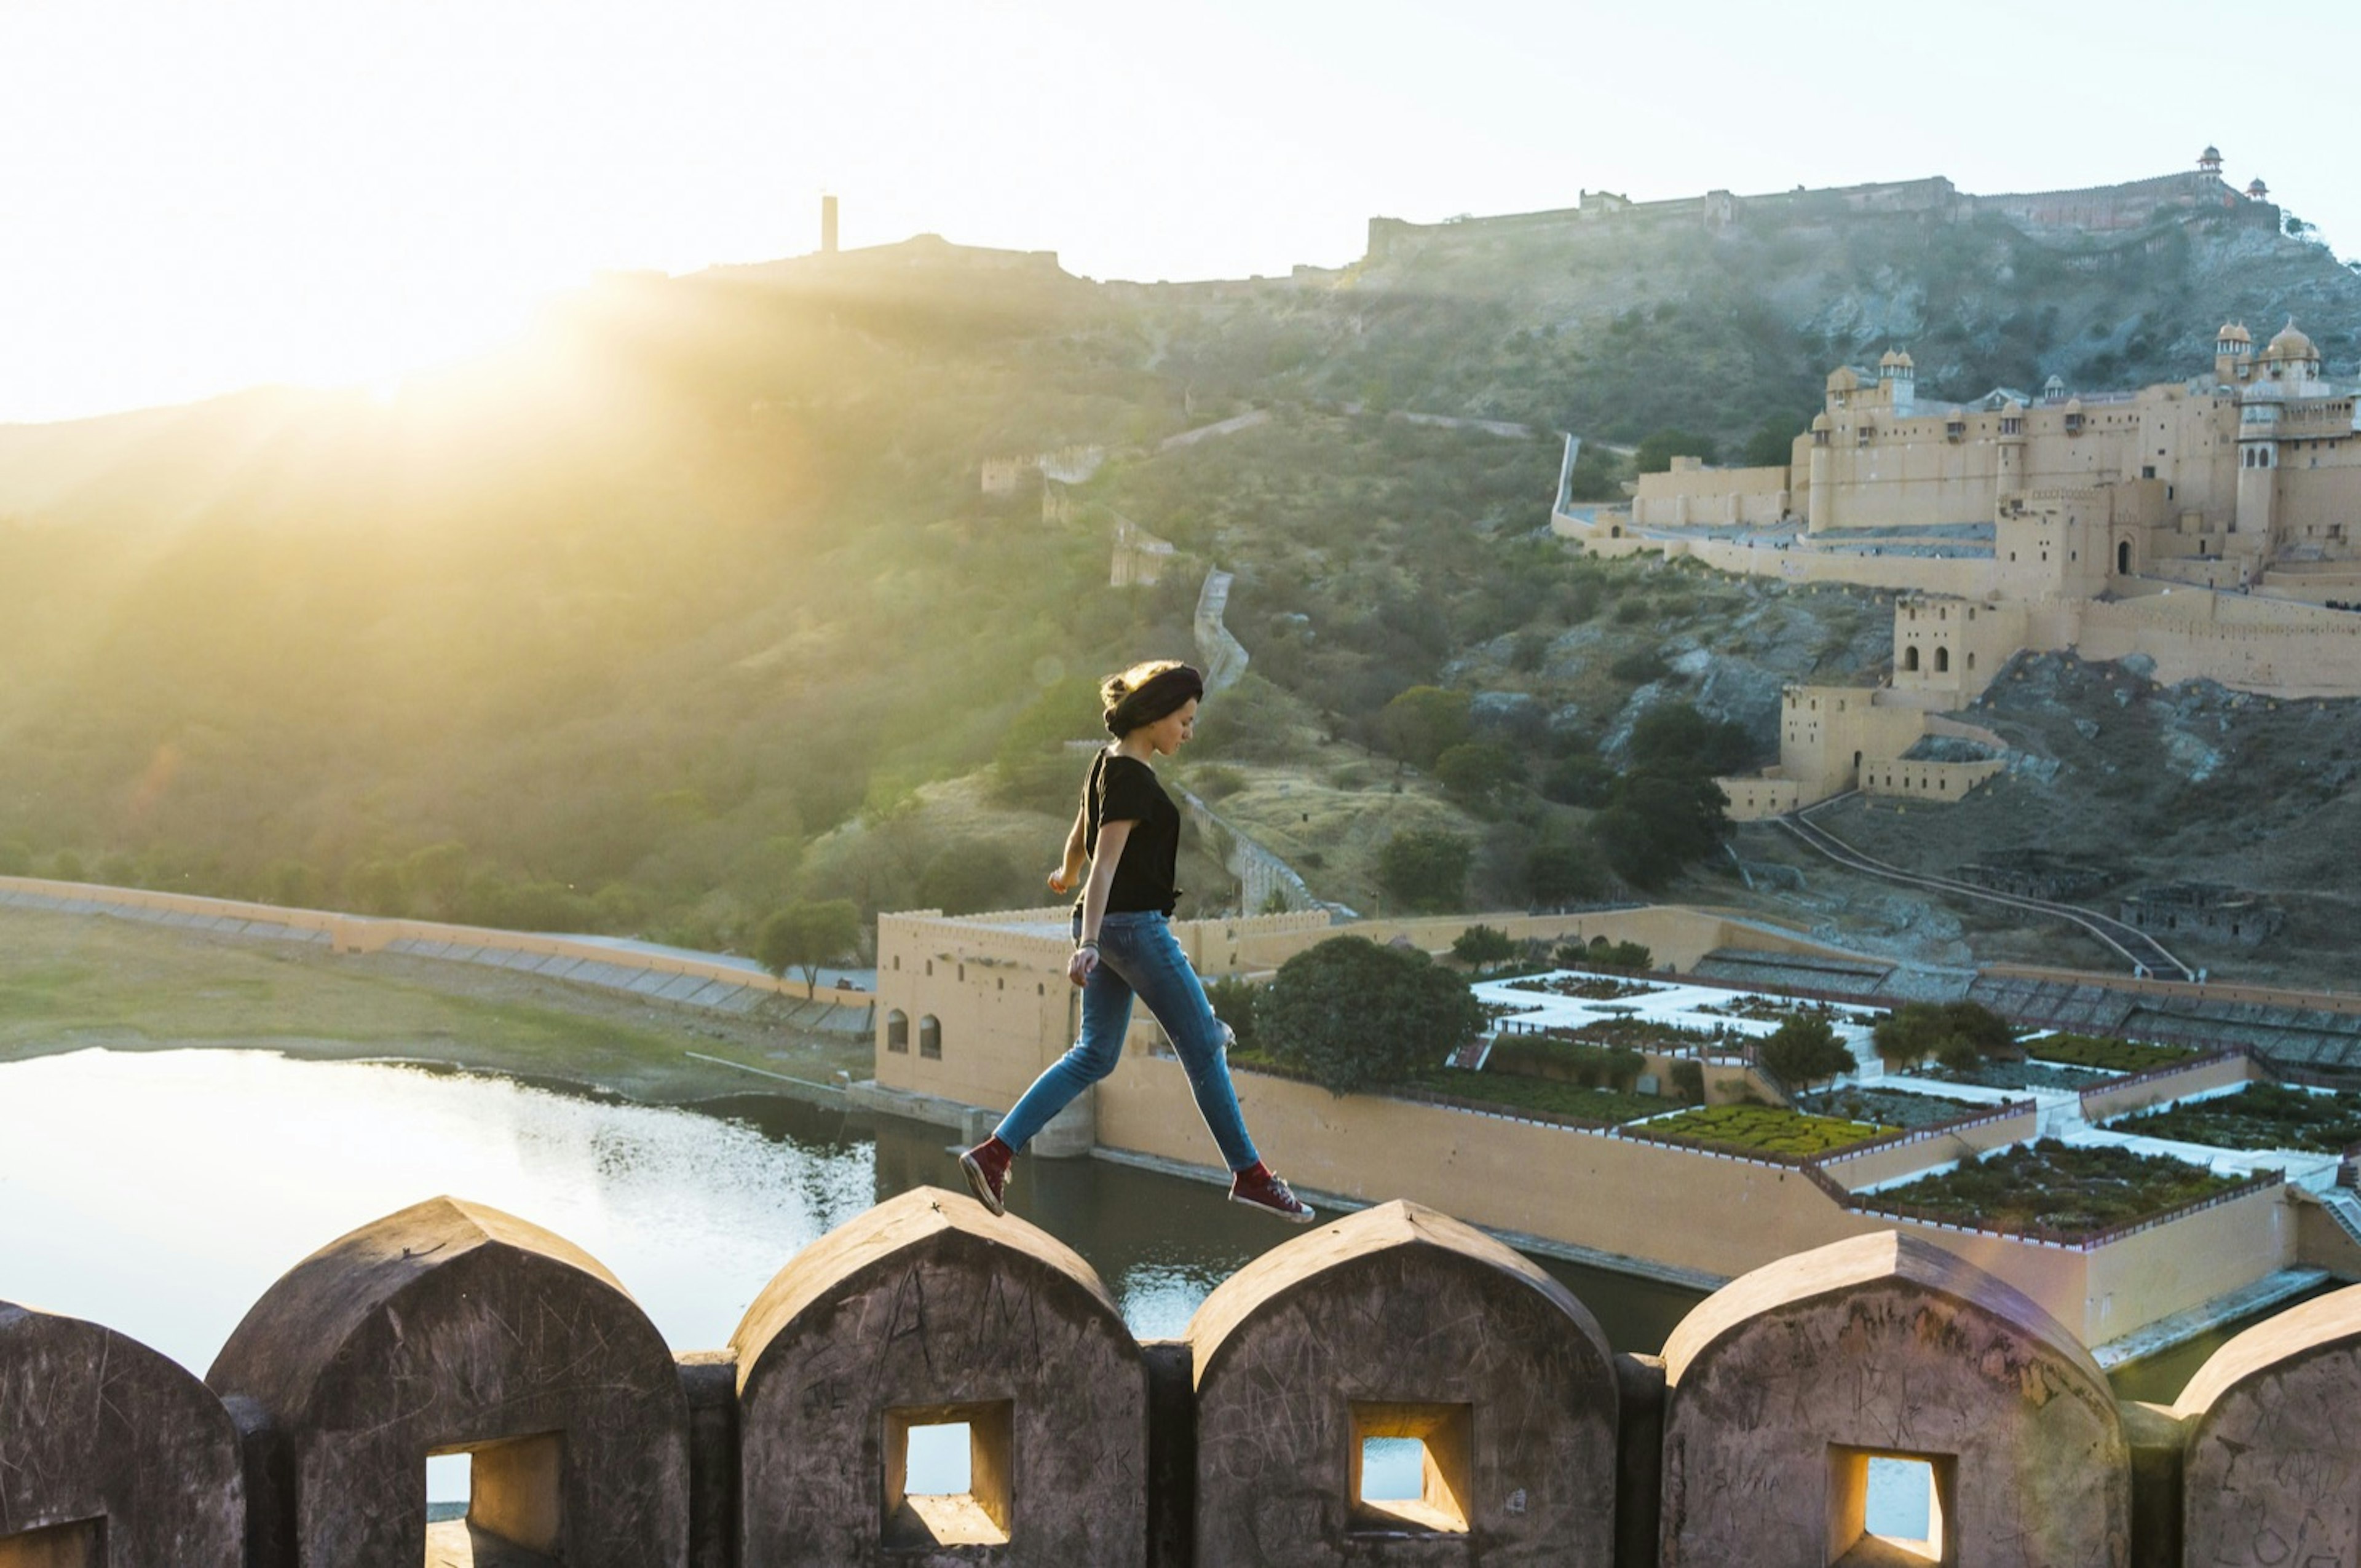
(696,602)
(1635,323)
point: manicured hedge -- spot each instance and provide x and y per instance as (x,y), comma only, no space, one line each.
(1512,1093)
(2101,1051)
(1766,1129)
(2063,1188)
(2259,1116)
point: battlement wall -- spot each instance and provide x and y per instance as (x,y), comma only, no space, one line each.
(450,1327)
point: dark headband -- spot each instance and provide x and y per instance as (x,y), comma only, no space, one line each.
(1154,698)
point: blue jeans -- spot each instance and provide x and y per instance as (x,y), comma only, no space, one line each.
(1138,955)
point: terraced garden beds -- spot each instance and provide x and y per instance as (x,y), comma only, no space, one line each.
(2055,1189)
(1514,1094)
(2018,1075)
(1586,987)
(1894,1107)
(2259,1116)
(1763,1129)
(2105,1052)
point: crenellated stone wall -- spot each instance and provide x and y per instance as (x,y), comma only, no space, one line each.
(1750,1442)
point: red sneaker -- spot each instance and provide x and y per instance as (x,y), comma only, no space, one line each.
(1258,1188)
(987,1167)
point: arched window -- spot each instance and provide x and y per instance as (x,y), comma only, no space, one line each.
(897,1032)
(1942,661)
(2123,558)
(1910,657)
(930,1038)
(1972,659)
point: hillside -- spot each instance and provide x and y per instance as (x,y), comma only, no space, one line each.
(693,603)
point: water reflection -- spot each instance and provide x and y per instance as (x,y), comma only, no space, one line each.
(162,1192)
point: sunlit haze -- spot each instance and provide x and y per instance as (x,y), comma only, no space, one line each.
(202,198)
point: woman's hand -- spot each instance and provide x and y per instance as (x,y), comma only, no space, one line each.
(1079,967)
(1059,882)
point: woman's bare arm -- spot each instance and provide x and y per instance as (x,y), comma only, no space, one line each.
(1112,838)
(1070,867)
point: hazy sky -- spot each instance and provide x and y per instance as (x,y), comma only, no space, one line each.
(195,197)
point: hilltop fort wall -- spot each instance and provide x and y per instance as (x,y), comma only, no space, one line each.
(451,1327)
(2092,210)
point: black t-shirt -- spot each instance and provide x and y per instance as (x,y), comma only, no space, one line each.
(1122,790)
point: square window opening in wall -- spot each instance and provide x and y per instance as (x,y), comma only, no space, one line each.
(1411,1468)
(81,1544)
(1892,1510)
(950,1475)
(495,1502)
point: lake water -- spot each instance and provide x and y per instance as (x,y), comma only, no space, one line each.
(162,1192)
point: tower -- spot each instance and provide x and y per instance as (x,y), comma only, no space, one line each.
(2233,354)
(2258,459)
(828,225)
(2209,161)
(1816,500)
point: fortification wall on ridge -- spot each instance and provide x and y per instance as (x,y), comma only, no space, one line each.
(454,1327)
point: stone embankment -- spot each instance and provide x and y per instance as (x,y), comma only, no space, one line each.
(452,1327)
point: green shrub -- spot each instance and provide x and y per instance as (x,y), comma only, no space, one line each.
(1355,1016)
(1766,1129)
(2101,1051)
(2259,1116)
(2064,1189)
(1688,1082)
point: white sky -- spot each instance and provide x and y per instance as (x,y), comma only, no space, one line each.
(196,197)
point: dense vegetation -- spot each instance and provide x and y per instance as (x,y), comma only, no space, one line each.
(2063,1188)
(690,610)
(2259,1116)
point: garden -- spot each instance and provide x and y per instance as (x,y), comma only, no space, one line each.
(1586,987)
(1549,1096)
(1763,1129)
(2259,1116)
(2105,1053)
(2064,1189)
(1893,1107)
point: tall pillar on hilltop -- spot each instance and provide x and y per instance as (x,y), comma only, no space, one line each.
(828,225)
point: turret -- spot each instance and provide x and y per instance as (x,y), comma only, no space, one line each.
(2209,161)
(1898,373)
(2256,191)
(2233,354)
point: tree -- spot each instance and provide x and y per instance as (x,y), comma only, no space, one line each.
(1673,737)
(966,876)
(1423,723)
(436,876)
(15,857)
(1479,947)
(1477,771)
(1659,823)
(1583,780)
(1658,450)
(1355,1016)
(1804,1050)
(1562,873)
(1959,1033)
(805,935)
(1773,444)
(1031,765)
(1425,868)
(1234,1001)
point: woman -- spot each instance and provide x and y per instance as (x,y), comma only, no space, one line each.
(1129,831)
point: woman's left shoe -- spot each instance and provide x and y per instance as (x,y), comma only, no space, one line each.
(987,1167)
(1259,1188)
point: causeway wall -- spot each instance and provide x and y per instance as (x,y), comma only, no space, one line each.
(450,1327)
